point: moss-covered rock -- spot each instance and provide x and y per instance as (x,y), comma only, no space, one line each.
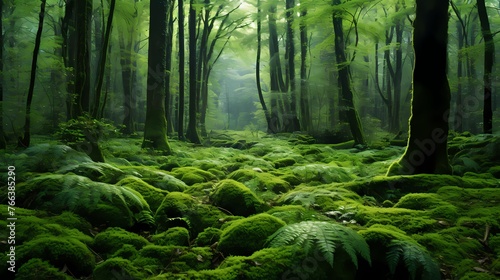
(157,178)
(112,239)
(99,203)
(174,205)
(153,196)
(260,181)
(322,173)
(245,236)
(208,236)
(420,201)
(192,175)
(39,269)
(177,259)
(173,236)
(59,252)
(116,269)
(236,198)
(284,162)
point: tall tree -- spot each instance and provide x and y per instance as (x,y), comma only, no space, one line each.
(427,151)
(346,96)
(102,61)
(489,59)
(305,113)
(83,15)
(155,130)
(292,122)
(180,116)
(168,76)
(275,71)
(257,69)
(25,140)
(3,143)
(192,131)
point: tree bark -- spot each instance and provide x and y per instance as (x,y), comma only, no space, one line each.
(192,131)
(489,59)
(344,83)
(257,69)
(293,120)
(155,130)
(102,61)
(82,82)
(25,140)
(427,151)
(276,75)
(305,113)
(168,62)
(180,115)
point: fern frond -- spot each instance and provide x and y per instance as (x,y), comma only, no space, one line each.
(415,258)
(324,237)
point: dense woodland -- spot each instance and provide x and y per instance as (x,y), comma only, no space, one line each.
(211,139)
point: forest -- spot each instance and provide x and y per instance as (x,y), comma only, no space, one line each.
(250,139)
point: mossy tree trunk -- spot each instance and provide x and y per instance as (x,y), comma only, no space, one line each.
(346,96)
(292,120)
(192,131)
(426,151)
(155,130)
(180,103)
(83,16)
(489,59)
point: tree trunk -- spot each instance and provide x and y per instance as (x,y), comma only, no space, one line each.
(192,131)
(489,59)
(427,144)
(125,39)
(102,61)
(82,82)
(180,115)
(257,70)
(398,74)
(155,130)
(168,63)
(3,143)
(293,120)
(459,111)
(345,84)
(25,140)
(276,75)
(305,113)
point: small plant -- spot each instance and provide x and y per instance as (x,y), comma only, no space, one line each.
(343,214)
(415,258)
(84,134)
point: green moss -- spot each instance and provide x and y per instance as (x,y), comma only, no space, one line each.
(291,179)
(208,236)
(322,173)
(197,258)
(478,276)
(284,162)
(443,248)
(127,251)
(293,213)
(245,236)
(152,195)
(157,178)
(420,201)
(495,171)
(71,220)
(193,175)
(199,190)
(173,236)
(112,239)
(447,211)
(260,181)
(494,243)
(59,252)
(39,269)
(236,198)
(175,204)
(116,269)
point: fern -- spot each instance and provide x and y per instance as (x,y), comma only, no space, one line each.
(323,236)
(415,258)
(59,193)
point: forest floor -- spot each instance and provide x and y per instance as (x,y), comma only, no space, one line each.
(244,206)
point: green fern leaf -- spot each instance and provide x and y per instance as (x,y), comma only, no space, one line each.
(415,258)
(322,236)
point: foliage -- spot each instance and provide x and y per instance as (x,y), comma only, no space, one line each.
(38,269)
(112,239)
(323,236)
(236,198)
(84,129)
(58,193)
(419,263)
